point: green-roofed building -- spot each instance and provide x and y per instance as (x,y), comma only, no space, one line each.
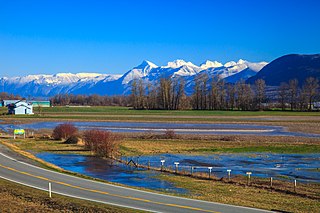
(40,103)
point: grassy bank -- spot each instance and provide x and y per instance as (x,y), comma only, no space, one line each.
(221,192)
(19,198)
(142,145)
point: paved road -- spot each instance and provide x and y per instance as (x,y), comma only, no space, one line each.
(36,177)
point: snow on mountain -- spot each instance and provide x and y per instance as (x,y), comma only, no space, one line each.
(104,84)
(243,75)
(47,85)
(232,68)
(256,66)
(210,64)
(230,64)
(138,72)
(179,63)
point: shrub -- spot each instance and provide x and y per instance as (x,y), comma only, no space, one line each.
(64,131)
(102,143)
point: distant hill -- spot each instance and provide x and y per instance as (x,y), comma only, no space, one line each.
(288,67)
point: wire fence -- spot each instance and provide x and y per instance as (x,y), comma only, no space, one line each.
(251,178)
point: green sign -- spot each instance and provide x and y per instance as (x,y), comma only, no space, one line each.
(19,132)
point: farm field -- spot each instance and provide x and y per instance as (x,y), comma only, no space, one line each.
(149,144)
(306,122)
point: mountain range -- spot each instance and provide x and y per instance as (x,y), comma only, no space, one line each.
(105,84)
(280,70)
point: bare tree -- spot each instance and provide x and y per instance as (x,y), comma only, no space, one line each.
(214,94)
(302,99)
(64,131)
(204,88)
(102,143)
(151,99)
(260,86)
(177,92)
(134,94)
(293,92)
(310,88)
(165,93)
(141,94)
(222,95)
(231,96)
(283,94)
(244,96)
(196,96)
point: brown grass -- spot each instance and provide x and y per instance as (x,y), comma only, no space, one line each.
(221,192)
(18,198)
(188,144)
(31,156)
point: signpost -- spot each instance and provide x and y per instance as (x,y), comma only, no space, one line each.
(210,168)
(176,163)
(19,132)
(162,164)
(229,174)
(249,174)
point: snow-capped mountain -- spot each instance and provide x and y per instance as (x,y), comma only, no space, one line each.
(48,85)
(148,72)
(232,68)
(138,72)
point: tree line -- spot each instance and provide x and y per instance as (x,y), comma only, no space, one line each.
(89,100)
(7,96)
(207,94)
(215,94)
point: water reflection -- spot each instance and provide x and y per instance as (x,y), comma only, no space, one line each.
(303,167)
(110,171)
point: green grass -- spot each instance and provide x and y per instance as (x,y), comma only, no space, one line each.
(127,111)
(108,113)
(297,149)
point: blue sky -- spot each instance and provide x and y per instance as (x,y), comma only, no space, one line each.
(51,36)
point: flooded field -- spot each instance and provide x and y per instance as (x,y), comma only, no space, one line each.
(180,128)
(303,167)
(110,171)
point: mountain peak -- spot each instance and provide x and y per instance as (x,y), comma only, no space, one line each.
(210,64)
(62,74)
(179,63)
(241,61)
(230,64)
(145,64)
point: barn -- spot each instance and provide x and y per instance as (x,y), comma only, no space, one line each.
(20,108)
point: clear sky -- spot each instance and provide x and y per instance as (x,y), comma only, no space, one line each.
(51,36)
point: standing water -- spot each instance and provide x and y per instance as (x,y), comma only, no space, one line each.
(109,170)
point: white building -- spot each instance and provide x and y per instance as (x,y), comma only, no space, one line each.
(316,105)
(20,108)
